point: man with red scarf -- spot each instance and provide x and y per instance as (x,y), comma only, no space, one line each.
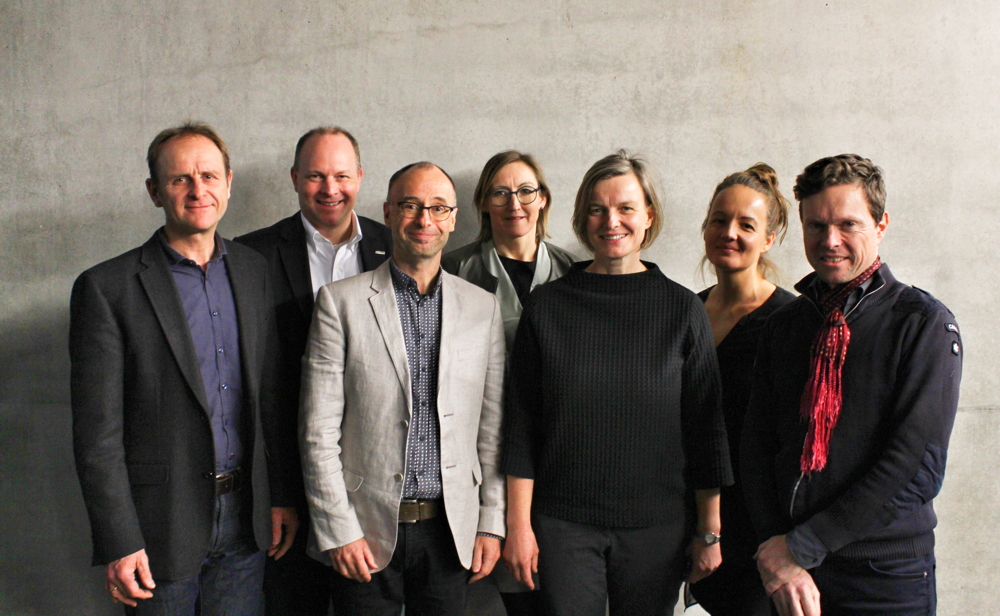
(855,392)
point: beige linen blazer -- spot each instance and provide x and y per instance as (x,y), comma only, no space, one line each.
(356,404)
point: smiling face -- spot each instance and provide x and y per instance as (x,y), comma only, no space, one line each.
(192,186)
(327,179)
(736,229)
(420,238)
(514,219)
(841,238)
(617,219)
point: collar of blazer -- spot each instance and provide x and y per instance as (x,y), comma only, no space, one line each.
(383,303)
(158,283)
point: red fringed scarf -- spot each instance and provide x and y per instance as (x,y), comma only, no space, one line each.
(823,395)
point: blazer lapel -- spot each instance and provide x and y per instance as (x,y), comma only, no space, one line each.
(383,304)
(159,285)
(295,260)
(246,318)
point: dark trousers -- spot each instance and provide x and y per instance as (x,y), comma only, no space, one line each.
(734,589)
(425,574)
(902,587)
(231,578)
(632,571)
(297,584)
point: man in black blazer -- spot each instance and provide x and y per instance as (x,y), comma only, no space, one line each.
(323,242)
(173,408)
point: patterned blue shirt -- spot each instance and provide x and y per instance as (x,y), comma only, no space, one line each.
(207,298)
(420,316)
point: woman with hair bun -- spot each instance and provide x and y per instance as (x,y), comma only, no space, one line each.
(746,214)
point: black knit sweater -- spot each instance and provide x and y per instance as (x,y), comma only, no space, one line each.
(612,399)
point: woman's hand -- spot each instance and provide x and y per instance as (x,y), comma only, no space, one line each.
(705,559)
(520,554)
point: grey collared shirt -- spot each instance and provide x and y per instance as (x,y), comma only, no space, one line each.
(420,316)
(207,298)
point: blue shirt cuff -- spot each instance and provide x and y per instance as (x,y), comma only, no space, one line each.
(806,547)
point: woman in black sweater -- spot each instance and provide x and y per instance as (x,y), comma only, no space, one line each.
(611,416)
(745,215)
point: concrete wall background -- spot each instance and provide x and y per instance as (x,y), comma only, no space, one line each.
(701,88)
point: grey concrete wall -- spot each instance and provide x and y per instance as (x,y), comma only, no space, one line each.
(701,87)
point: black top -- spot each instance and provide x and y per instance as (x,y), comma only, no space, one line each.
(888,450)
(521,273)
(612,399)
(736,355)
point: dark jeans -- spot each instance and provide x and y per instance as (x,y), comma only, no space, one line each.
(632,571)
(297,584)
(904,587)
(425,574)
(231,578)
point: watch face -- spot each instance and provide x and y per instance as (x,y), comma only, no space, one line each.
(711,539)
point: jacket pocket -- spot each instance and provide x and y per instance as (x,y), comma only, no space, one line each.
(352,480)
(148,474)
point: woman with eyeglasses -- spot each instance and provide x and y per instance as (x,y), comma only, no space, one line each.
(745,215)
(510,258)
(614,445)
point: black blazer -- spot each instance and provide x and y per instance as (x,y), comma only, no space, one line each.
(283,244)
(141,432)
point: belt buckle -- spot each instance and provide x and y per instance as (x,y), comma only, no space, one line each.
(409,511)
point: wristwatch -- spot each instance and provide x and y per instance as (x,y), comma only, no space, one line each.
(708,538)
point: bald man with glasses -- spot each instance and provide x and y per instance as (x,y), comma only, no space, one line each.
(400,418)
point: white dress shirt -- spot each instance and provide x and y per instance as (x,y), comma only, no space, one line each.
(329,262)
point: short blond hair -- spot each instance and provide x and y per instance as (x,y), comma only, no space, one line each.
(620,163)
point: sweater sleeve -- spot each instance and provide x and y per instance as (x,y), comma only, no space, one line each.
(910,470)
(522,401)
(706,449)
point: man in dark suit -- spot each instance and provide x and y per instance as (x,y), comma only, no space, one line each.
(172,402)
(323,242)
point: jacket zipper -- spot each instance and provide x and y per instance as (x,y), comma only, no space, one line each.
(795,490)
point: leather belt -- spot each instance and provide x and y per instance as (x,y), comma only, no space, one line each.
(417,510)
(228,482)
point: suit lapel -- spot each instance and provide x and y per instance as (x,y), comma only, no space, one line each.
(159,285)
(383,304)
(246,318)
(373,251)
(295,260)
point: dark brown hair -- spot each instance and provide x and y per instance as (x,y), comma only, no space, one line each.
(839,170)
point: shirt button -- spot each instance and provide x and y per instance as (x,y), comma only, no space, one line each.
(398,477)
(225,386)
(221,350)
(215,313)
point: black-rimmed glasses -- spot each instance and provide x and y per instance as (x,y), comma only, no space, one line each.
(526,195)
(437,212)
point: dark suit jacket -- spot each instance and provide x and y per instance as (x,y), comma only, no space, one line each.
(284,246)
(141,431)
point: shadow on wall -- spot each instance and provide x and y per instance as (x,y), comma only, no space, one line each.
(40,502)
(467,225)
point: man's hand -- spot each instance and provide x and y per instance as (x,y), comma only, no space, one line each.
(354,560)
(799,597)
(520,554)
(124,576)
(776,564)
(705,559)
(484,556)
(282,518)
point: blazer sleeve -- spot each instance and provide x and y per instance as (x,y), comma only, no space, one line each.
(491,492)
(97,391)
(334,519)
